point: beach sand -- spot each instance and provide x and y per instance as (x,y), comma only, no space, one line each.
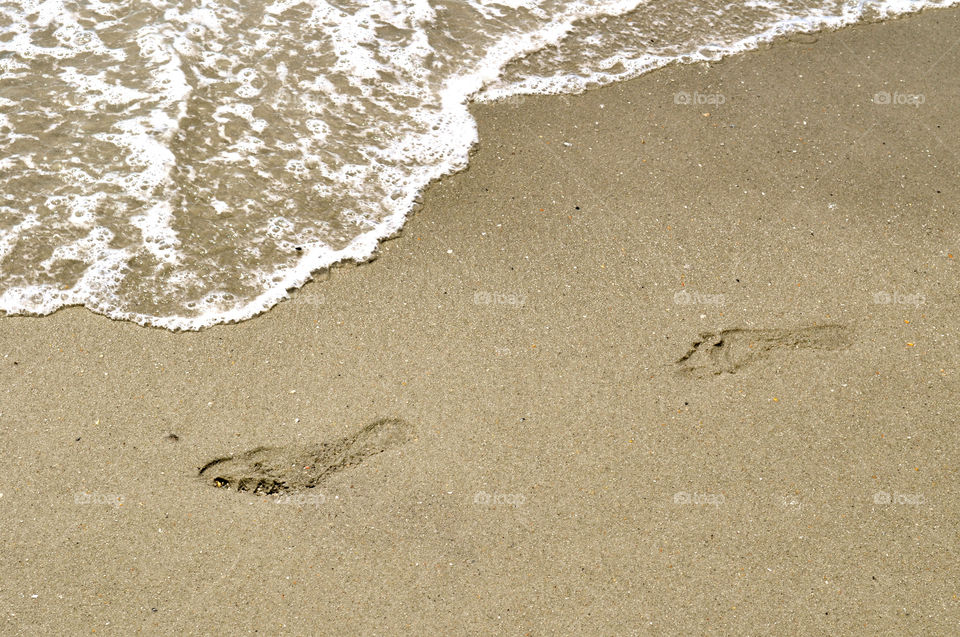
(569,469)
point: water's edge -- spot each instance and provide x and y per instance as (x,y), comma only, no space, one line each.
(364,247)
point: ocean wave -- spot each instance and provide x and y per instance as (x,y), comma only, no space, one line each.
(183,164)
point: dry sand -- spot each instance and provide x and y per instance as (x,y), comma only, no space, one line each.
(566,474)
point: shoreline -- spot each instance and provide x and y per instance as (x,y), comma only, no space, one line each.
(760,42)
(667,368)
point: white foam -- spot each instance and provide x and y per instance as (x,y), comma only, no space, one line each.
(8,238)
(96,90)
(159,237)
(634,66)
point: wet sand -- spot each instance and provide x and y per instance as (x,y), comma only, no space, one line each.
(678,356)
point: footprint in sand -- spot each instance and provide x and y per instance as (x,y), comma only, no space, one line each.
(269,470)
(728,351)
